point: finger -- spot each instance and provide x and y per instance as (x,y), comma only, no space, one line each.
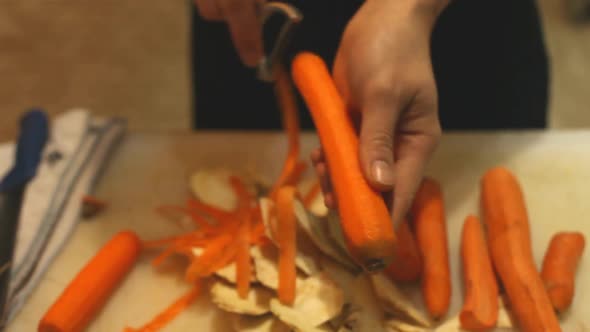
(413,151)
(376,141)
(243,19)
(330,201)
(209,10)
(317,156)
(322,172)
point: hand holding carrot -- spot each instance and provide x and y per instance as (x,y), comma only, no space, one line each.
(383,70)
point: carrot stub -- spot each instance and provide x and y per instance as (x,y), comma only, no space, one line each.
(431,235)
(407,265)
(287,242)
(364,216)
(480,304)
(93,285)
(510,248)
(559,267)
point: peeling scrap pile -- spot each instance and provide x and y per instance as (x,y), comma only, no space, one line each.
(279,264)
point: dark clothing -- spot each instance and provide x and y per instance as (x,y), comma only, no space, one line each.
(489,61)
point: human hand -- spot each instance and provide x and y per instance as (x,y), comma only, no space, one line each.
(384,74)
(243,19)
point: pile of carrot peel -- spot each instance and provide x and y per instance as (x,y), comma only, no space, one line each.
(226,236)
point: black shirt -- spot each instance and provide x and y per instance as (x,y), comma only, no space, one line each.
(489,62)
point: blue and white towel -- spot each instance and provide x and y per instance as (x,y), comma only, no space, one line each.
(77,150)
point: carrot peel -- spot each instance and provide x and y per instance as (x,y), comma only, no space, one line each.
(286,238)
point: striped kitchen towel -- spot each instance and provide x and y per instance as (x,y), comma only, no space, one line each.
(77,151)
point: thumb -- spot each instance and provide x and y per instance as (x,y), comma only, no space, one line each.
(376,142)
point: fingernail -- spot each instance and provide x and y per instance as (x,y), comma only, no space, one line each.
(382,173)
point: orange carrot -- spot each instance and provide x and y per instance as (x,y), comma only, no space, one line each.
(312,193)
(504,187)
(407,265)
(365,219)
(286,240)
(509,242)
(171,312)
(431,235)
(287,103)
(480,305)
(90,289)
(243,262)
(559,267)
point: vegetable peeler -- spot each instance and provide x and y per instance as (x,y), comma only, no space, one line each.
(269,67)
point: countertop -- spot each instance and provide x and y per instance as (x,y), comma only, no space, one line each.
(148,170)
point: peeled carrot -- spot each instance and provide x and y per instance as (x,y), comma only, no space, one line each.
(559,267)
(407,265)
(90,289)
(171,312)
(287,242)
(431,234)
(505,188)
(509,242)
(480,305)
(364,216)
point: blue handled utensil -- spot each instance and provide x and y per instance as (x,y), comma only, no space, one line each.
(33,135)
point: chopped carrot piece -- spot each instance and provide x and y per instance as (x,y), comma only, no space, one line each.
(93,285)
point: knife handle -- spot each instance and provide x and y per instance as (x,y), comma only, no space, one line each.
(33,135)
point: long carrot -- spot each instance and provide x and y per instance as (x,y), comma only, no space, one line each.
(431,234)
(559,267)
(509,242)
(89,290)
(365,219)
(505,188)
(480,305)
(287,242)
(407,265)
(171,312)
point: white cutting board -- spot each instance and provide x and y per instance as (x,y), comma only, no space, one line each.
(148,170)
